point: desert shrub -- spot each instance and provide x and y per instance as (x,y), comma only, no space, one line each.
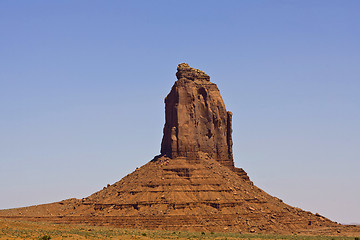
(45,237)
(357,238)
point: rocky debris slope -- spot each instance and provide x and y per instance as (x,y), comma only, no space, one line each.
(182,194)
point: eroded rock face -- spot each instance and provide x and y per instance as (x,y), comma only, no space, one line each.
(196,121)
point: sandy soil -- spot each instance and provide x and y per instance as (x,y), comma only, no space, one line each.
(10,229)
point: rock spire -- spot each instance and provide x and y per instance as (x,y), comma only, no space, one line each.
(196,121)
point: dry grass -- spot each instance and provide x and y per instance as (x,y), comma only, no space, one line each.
(10,229)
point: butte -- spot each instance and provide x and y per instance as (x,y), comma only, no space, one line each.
(192,185)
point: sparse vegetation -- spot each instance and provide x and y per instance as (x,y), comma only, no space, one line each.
(45,237)
(10,229)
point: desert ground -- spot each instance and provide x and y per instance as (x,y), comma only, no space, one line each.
(13,229)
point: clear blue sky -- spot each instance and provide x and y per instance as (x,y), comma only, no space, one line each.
(82,85)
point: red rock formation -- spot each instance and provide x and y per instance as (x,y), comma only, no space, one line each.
(193,185)
(196,121)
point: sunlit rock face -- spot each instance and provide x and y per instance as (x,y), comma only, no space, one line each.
(196,121)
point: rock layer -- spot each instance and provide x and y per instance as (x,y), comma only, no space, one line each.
(181,194)
(196,120)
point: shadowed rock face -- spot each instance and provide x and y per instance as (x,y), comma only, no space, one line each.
(196,121)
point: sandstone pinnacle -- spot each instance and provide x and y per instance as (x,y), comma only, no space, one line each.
(196,121)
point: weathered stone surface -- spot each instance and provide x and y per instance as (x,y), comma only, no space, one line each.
(185,71)
(196,121)
(178,194)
